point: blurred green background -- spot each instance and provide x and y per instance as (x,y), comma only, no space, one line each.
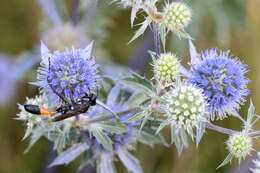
(227,24)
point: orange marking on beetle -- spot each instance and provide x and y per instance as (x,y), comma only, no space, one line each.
(46,112)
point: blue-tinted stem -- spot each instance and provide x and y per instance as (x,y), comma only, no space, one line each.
(156,37)
(220,129)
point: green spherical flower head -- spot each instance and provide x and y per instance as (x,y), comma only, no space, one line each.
(166,67)
(176,16)
(239,145)
(185,105)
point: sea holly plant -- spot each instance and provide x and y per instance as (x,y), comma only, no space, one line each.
(101,118)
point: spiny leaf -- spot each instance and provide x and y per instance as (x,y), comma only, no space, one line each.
(176,139)
(137,99)
(28,132)
(184,138)
(106,107)
(133,14)
(34,138)
(116,128)
(142,29)
(151,138)
(105,164)
(102,137)
(138,116)
(183,34)
(70,154)
(142,79)
(162,125)
(194,56)
(60,142)
(113,95)
(200,132)
(251,112)
(38,132)
(145,119)
(130,162)
(226,161)
(139,83)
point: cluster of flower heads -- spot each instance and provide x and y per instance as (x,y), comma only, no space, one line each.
(215,86)
(219,76)
(68,75)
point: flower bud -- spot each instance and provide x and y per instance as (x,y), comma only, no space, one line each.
(239,145)
(166,67)
(176,16)
(185,105)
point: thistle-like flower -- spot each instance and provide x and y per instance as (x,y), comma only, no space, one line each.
(166,67)
(63,36)
(68,75)
(239,145)
(222,80)
(176,16)
(185,106)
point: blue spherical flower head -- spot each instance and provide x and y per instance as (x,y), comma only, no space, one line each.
(68,75)
(222,79)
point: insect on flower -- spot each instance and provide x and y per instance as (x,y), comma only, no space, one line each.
(70,79)
(67,110)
